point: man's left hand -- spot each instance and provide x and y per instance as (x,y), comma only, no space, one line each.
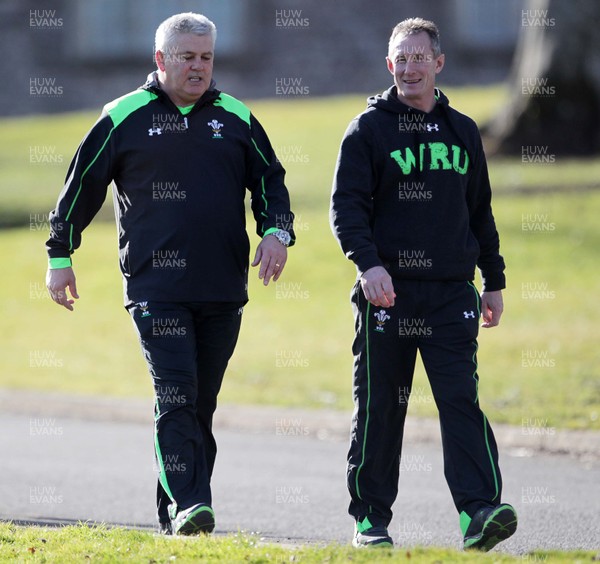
(492,307)
(272,256)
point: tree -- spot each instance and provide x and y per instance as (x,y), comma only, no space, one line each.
(554,82)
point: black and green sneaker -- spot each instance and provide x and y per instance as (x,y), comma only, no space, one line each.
(199,518)
(488,527)
(367,535)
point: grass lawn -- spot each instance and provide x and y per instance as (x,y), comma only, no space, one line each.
(539,368)
(100,544)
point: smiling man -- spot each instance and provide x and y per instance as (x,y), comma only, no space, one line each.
(411,207)
(181,155)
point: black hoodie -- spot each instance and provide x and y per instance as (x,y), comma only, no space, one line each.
(411,193)
(180,180)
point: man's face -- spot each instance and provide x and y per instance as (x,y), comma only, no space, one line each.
(185,69)
(414,67)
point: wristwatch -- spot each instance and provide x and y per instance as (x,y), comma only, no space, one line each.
(283,237)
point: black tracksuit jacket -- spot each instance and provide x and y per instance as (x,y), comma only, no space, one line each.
(411,193)
(179,183)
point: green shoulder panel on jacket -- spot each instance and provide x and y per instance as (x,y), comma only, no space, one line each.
(233,105)
(120,108)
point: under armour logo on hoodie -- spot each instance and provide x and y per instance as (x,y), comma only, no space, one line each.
(433,127)
(469,314)
(154,130)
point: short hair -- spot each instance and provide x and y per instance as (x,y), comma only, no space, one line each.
(187,22)
(412,26)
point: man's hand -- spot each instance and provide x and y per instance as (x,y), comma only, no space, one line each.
(492,307)
(377,287)
(272,256)
(57,282)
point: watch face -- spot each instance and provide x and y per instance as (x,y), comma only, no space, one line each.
(284,237)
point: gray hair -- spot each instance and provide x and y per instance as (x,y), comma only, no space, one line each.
(188,22)
(412,26)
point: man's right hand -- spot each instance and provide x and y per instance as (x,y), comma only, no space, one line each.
(57,282)
(377,287)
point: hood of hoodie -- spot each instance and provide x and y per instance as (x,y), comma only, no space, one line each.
(389,102)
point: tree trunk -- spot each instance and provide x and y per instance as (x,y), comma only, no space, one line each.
(554,83)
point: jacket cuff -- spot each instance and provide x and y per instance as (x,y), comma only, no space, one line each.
(59,262)
(493,281)
(270,230)
(366,261)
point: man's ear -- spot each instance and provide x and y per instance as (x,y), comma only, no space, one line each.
(160,60)
(439,64)
(390,65)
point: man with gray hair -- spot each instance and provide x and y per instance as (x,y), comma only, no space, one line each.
(180,155)
(411,207)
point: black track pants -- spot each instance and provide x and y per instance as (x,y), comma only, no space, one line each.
(441,320)
(187,347)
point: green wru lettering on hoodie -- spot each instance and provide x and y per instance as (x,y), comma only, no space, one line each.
(438,158)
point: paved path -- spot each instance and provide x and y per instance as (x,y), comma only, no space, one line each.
(285,483)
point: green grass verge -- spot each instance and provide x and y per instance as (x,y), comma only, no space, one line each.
(35,151)
(101,544)
(540,368)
